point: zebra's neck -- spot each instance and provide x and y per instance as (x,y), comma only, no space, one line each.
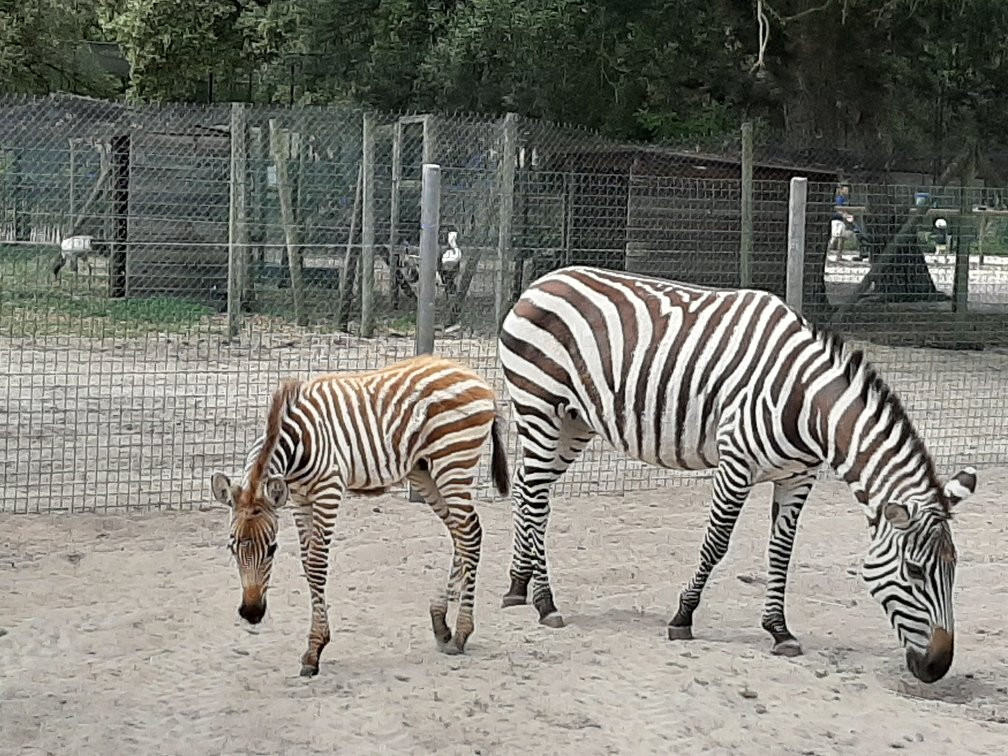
(870,441)
(278,463)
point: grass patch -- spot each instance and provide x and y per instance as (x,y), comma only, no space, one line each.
(32,304)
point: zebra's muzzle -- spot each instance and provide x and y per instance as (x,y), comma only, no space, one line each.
(252,612)
(932,666)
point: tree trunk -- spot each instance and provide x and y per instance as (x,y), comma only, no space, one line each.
(898,270)
(906,277)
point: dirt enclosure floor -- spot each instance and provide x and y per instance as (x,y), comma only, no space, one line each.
(119,634)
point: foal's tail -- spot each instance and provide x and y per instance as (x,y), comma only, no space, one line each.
(499,464)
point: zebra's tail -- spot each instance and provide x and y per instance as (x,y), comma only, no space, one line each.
(499,463)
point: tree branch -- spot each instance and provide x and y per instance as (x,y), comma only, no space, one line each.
(800,14)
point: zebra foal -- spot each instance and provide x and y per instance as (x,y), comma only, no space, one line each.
(692,378)
(423,420)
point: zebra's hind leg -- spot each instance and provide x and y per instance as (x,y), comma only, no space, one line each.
(547,452)
(450,498)
(732,484)
(788,499)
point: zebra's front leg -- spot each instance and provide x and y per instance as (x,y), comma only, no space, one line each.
(788,499)
(732,484)
(315,559)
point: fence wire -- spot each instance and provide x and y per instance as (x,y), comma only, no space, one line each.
(162,268)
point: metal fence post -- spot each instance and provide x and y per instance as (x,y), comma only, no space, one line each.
(430,211)
(507,179)
(796,241)
(367,322)
(746,235)
(237,228)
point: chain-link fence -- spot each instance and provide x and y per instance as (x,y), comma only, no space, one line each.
(163,267)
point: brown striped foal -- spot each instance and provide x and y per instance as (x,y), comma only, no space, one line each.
(423,420)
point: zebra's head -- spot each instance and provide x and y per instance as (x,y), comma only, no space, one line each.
(253,536)
(910,570)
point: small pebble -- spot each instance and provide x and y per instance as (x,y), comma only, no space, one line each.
(760,709)
(401,678)
(3,632)
(821,673)
(241,651)
(896,744)
(747,693)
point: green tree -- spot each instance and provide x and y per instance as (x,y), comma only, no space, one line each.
(43,48)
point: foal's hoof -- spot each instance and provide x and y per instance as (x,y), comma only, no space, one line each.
(680,632)
(449,647)
(513,599)
(789,647)
(554,620)
(307,670)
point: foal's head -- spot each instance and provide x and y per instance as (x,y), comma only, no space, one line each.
(253,536)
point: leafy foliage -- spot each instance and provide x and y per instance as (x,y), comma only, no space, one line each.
(897,75)
(42,48)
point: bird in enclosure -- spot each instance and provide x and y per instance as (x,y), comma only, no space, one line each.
(736,381)
(449,264)
(424,420)
(73,250)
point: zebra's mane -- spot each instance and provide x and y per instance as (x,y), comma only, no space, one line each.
(858,370)
(283,398)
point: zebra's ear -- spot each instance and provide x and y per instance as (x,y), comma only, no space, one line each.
(221,488)
(961,485)
(897,514)
(275,492)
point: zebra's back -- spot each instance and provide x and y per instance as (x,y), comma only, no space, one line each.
(378,425)
(652,366)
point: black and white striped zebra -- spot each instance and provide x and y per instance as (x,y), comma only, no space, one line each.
(692,378)
(424,420)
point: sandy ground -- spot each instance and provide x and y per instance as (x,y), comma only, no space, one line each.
(120,635)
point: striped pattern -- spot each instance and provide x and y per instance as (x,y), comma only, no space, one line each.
(691,378)
(424,420)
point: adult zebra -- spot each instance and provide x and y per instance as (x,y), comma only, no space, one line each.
(693,378)
(424,420)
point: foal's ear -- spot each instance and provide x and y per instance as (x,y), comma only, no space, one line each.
(275,492)
(961,485)
(221,488)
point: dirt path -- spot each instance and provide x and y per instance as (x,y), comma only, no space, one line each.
(120,635)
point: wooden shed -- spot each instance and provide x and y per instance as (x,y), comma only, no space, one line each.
(178,205)
(677,214)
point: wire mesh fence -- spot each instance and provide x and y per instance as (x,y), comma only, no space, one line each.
(162,268)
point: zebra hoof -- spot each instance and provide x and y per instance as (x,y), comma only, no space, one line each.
(449,648)
(511,599)
(789,647)
(680,632)
(554,620)
(308,671)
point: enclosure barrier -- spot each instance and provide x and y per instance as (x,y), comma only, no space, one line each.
(163,267)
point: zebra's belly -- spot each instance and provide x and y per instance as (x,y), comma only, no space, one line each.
(686,444)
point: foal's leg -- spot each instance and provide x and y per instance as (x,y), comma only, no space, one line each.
(788,499)
(315,559)
(450,498)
